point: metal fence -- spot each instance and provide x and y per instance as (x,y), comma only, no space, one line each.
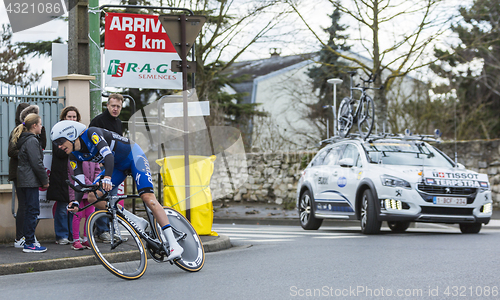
(10,97)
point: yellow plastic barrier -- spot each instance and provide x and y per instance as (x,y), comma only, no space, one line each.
(201,169)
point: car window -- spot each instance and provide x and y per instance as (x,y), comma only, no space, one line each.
(333,156)
(320,157)
(406,153)
(352,152)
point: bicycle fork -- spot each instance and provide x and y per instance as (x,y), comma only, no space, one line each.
(114,228)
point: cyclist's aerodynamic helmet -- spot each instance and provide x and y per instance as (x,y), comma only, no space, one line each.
(66,130)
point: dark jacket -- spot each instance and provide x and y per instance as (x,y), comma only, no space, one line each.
(58,189)
(30,171)
(13,151)
(107,121)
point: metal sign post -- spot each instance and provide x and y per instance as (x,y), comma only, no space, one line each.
(334,81)
(183,34)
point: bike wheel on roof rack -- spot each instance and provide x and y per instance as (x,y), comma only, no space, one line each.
(366,117)
(345,118)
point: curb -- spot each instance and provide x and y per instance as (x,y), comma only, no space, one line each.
(221,242)
(278,221)
(210,244)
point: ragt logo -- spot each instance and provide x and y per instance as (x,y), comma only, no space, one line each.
(117,68)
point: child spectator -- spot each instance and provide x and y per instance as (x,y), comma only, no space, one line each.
(91,170)
(31,175)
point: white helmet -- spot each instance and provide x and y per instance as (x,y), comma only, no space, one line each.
(66,130)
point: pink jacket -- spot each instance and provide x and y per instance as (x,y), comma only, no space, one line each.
(90,170)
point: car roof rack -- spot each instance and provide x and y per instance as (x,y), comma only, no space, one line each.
(407,136)
(416,137)
(337,138)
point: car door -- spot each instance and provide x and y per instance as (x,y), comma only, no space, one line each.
(315,175)
(328,200)
(349,174)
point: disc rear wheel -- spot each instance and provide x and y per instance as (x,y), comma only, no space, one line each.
(193,257)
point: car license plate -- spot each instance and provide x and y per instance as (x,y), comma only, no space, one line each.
(450,200)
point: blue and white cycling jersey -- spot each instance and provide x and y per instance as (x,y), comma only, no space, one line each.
(119,155)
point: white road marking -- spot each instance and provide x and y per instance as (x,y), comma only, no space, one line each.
(339,237)
(274,234)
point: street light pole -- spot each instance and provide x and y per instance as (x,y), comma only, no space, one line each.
(334,81)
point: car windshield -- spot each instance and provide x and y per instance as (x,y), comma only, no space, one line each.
(406,153)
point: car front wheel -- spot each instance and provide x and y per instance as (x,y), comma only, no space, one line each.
(470,227)
(369,222)
(307,219)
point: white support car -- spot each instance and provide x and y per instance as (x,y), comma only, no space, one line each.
(398,180)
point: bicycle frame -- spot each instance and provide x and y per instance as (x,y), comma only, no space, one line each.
(363,94)
(112,208)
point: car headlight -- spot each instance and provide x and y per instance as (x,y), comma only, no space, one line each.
(388,180)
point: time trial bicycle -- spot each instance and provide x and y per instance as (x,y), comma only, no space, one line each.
(125,256)
(363,115)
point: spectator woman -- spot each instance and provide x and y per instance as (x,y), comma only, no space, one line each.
(23,109)
(31,175)
(58,190)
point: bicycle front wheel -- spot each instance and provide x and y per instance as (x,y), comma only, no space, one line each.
(344,118)
(366,117)
(193,257)
(126,256)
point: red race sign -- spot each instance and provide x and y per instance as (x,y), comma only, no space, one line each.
(136,32)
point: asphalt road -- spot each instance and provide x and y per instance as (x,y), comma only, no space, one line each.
(286,262)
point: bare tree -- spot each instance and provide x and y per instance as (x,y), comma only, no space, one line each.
(396,34)
(232,27)
(412,108)
(267,136)
(13,67)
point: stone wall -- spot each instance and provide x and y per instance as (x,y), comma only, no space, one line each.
(265,178)
(273,177)
(482,156)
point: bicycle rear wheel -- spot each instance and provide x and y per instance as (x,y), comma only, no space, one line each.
(344,118)
(126,256)
(366,117)
(193,257)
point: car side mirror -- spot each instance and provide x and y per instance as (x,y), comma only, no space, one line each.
(460,166)
(346,162)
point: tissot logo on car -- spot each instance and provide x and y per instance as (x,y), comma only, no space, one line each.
(455,175)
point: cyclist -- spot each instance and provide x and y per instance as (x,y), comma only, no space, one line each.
(120,156)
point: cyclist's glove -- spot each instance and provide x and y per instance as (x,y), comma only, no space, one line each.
(107,180)
(73,204)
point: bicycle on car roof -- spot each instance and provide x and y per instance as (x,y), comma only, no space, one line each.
(363,114)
